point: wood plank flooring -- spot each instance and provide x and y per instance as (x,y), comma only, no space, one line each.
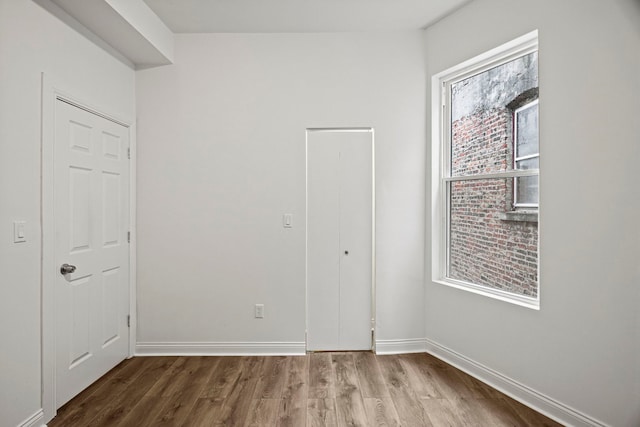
(319,389)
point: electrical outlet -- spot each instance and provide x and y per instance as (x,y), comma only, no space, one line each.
(259,309)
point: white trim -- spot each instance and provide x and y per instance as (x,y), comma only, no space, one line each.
(341,129)
(220,349)
(521,300)
(69,100)
(373,242)
(515,48)
(35,420)
(542,403)
(48,250)
(133,241)
(513,173)
(50,93)
(412,345)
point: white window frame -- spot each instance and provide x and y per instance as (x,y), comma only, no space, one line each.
(441,178)
(517,158)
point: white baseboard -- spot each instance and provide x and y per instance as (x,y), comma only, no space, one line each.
(220,349)
(35,420)
(520,392)
(414,345)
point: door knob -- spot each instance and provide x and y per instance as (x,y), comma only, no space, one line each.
(346,252)
(67,268)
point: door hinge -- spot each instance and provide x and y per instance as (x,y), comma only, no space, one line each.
(373,334)
(128,320)
(129,153)
(128,237)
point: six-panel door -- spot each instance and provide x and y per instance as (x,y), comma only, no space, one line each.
(91,196)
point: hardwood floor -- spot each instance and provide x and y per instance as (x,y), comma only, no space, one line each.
(320,389)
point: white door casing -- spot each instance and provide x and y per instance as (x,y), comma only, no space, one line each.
(340,239)
(91,211)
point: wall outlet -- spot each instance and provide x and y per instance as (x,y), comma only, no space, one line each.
(259,310)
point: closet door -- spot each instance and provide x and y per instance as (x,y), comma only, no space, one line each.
(339,239)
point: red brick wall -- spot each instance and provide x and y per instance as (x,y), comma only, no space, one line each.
(484,248)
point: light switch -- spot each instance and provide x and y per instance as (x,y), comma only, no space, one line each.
(19,234)
(287,220)
(259,311)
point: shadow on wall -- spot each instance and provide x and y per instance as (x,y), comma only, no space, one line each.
(631,9)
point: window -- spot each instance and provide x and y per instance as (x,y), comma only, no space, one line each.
(485,174)
(526,154)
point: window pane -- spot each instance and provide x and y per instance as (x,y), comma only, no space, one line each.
(527,131)
(484,248)
(527,190)
(482,116)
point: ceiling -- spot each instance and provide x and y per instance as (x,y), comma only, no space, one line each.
(270,16)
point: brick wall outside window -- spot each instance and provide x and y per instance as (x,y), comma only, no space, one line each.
(485,248)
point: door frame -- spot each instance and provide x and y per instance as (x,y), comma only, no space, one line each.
(373,226)
(51,93)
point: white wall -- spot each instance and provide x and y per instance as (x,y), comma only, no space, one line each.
(33,41)
(582,347)
(221,156)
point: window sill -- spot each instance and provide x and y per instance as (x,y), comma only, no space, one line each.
(521,300)
(519,216)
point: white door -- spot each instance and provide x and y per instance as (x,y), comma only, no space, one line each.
(91,199)
(339,239)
